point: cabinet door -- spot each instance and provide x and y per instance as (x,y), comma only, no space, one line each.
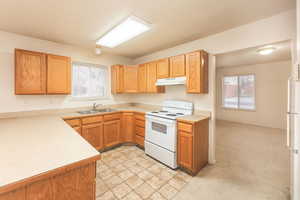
(58,74)
(142,78)
(18,194)
(163,68)
(93,134)
(185,149)
(112,133)
(151,77)
(130,79)
(117,79)
(177,66)
(197,72)
(30,72)
(127,127)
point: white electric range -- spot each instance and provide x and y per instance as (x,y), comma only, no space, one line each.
(161,131)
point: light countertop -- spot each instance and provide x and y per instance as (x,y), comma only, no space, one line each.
(34,145)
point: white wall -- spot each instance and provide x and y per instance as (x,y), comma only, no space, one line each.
(271,94)
(11,103)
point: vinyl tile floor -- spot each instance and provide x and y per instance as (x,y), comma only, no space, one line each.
(128,173)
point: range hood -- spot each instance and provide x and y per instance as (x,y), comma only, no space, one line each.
(171,81)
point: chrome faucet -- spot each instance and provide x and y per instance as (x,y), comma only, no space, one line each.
(95,105)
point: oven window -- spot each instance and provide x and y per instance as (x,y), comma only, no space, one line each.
(159,127)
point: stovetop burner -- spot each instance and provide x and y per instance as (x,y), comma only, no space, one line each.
(154,112)
(179,114)
(163,111)
(172,115)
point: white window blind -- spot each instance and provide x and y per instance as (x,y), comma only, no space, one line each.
(89,81)
(239,92)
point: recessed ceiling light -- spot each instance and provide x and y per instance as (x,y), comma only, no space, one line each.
(266,50)
(123,32)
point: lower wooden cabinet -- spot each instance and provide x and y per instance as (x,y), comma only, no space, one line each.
(93,133)
(112,133)
(185,149)
(127,127)
(67,184)
(77,129)
(192,145)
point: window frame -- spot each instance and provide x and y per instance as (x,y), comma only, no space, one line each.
(238,79)
(105,97)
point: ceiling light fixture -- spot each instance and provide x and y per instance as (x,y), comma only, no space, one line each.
(123,32)
(98,50)
(266,50)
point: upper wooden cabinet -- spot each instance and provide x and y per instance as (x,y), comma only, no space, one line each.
(163,69)
(130,84)
(142,78)
(151,79)
(197,72)
(40,73)
(58,74)
(117,75)
(177,66)
(30,72)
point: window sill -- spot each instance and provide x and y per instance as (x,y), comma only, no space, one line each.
(88,98)
(239,109)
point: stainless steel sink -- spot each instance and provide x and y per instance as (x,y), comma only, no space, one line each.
(86,112)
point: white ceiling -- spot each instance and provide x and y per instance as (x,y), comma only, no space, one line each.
(250,56)
(82,22)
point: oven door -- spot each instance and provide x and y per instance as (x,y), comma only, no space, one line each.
(161,132)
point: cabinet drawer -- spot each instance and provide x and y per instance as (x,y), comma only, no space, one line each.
(112,117)
(185,127)
(140,131)
(140,123)
(139,140)
(91,120)
(140,117)
(73,122)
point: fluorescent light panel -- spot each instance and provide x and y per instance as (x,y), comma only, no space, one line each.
(123,32)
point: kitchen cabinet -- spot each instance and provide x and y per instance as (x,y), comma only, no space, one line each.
(151,79)
(192,145)
(93,133)
(163,68)
(30,72)
(112,133)
(130,79)
(197,72)
(142,78)
(78,129)
(177,66)
(58,74)
(117,75)
(127,127)
(139,129)
(40,73)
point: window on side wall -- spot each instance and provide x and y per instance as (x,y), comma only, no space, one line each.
(239,92)
(89,81)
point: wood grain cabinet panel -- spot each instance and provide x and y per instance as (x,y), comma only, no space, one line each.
(58,74)
(14,195)
(185,150)
(93,134)
(140,140)
(163,70)
(197,72)
(177,66)
(78,129)
(117,75)
(112,133)
(73,122)
(30,72)
(142,78)
(130,79)
(151,79)
(128,127)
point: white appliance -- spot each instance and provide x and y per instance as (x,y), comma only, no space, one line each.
(293,135)
(161,131)
(171,81)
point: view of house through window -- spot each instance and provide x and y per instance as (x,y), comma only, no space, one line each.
(89,81)
(239,92)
